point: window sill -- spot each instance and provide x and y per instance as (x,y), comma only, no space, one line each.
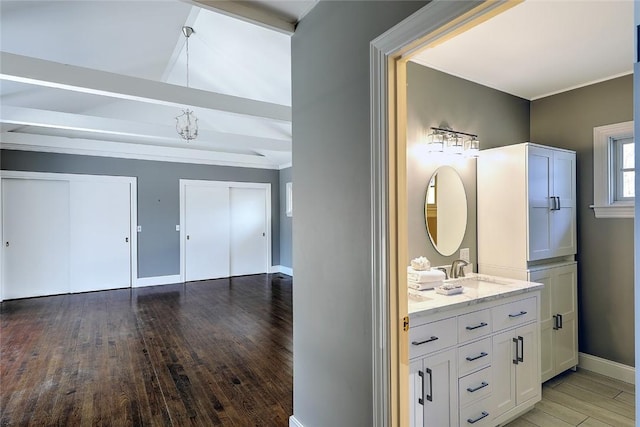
(619,210)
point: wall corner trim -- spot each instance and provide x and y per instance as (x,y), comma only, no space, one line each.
(281,269)
(607,368)
(157,280)
(293,422)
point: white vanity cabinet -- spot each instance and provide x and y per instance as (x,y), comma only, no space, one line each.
(527,231)
(476,363)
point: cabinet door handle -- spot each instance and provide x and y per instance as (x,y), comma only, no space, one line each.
(420,399)
(560,320)
(482,385)
(521,355)
(522,313)
(430,395)
(558,207)
(433,338)
(556,325)
(480,325)
(484,414)
(472,358)
(515,360)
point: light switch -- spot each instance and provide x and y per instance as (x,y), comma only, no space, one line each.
(177,227)
(139,229)
(464,254)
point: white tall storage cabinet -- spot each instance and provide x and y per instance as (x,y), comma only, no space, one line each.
(527,231)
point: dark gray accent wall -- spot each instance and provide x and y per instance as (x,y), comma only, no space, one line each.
(332,297)
(285,221)
(158,197)
(434,98)
(605,246)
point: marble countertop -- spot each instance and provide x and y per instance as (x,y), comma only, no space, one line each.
(477,288)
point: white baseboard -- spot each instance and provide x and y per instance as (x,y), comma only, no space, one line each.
(282,269)
(294,423)
(157,280)
(608,368)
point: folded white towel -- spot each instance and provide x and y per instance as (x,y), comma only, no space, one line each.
(423,286)
(425,276)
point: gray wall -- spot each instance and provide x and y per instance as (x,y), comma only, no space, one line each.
(605,246)
(332,298)
(285,221)
(158,197)
(434,97)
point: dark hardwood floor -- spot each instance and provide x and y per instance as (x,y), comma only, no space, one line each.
(215,352)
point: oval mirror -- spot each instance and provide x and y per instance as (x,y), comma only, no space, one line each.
(445,210)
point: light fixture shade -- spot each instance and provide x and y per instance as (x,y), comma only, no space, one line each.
(435,141)
(472,147)
(187,125)
(454,144)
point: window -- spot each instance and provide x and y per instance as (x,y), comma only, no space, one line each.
(623,164)
(614,171)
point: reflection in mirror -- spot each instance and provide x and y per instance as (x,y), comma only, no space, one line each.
(445,210)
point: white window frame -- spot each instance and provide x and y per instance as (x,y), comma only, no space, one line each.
(604,175)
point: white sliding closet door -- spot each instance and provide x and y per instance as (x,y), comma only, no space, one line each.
(35,230)
(248,231)
(100,235)
(206,232)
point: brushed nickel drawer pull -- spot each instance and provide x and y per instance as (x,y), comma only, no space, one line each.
(485,414)
(480,325)
(522,313)
(481,355)
(482,385)
(433,338)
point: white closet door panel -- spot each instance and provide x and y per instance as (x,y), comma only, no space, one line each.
(207,232)
(36,237)
(540,176)
(100,235)
(248,231)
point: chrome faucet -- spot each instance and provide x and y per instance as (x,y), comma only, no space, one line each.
(457,268)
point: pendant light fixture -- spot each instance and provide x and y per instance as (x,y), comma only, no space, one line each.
(187,122)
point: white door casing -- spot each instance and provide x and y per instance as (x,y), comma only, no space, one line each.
(259,199)
(63,226)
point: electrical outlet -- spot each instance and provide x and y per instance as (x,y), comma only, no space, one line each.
(139,229)
(177,227)
(464,254)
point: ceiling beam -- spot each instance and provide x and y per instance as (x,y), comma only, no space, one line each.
(39,72)
(123,128)
(245,12)
(123,150)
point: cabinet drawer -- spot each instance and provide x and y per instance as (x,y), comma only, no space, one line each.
(474,325)
(479,414)
(476,386)
(514,313)
(472,357)
(432,336)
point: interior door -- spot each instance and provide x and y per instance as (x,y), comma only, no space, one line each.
(206,232)
(248,231)
(35,227)
(100,235)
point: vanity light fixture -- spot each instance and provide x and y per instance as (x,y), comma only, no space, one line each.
(452,141)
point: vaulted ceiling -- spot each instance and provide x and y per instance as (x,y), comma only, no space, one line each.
(108,77)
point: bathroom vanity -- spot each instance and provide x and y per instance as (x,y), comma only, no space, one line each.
(475,356)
